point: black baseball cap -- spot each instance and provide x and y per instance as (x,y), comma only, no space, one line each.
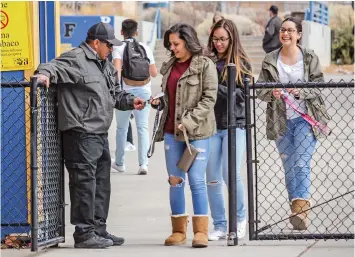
(274,9)
(103,32)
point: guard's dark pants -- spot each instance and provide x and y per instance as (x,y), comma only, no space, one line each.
(87,159)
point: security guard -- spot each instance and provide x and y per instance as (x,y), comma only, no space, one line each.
(88,92)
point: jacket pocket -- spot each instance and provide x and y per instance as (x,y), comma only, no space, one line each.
(191,92)
(77,165)
(91,79)
(192,84)
(92,110)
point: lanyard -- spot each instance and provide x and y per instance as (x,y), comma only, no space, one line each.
(323,128)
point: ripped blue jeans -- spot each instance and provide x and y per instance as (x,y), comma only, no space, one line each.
(196,175)
(296,147)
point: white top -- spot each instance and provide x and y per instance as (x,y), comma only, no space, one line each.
(118,54)
(292,73)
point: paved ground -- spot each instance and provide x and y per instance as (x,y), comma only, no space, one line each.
(139,211)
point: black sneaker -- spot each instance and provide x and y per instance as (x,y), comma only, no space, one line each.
(116,240)
(94,242)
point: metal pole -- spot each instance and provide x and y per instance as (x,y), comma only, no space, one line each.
(311,11)
(34,167)
(159,24)
(232,176)
(62,188)
(249,159)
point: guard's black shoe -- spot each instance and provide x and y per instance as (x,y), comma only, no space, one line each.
(94,242)
(116,240)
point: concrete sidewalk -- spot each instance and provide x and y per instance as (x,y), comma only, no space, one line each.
(140,212)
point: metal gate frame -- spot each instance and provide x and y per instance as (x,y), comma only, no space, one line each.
(254,230)
(37,239)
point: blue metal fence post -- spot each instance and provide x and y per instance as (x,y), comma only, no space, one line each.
(326,15)
(311,10)
(321,11)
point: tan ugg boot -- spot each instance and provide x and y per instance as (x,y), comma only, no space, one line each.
(200,226)
(179,224)
(300,211)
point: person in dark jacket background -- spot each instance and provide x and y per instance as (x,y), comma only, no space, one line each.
(88,91)
(271,40)
(225,43)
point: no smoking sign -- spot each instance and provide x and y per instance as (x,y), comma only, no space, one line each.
(4,19)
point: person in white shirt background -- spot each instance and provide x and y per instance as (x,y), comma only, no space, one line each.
(141,88)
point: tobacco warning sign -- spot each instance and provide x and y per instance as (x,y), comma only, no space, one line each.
(16,36)
(4,19)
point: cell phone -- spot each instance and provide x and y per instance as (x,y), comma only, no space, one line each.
(158,95)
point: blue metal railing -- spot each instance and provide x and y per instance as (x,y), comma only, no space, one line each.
(317,12)
(157,26)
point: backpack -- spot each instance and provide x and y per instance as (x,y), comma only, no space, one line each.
(135,62)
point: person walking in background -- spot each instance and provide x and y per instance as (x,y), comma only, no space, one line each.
(190,87)
(136,65)
(295,138)
(271,39)
(88,91)
(129,144)
(225,43)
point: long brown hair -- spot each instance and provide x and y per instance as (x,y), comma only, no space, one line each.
(235,52)
(187,33)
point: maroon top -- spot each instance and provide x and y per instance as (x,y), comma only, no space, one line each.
(176,72)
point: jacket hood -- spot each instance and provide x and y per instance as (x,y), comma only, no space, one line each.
(271,58)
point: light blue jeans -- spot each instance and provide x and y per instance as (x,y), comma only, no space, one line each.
(296,148)
(141,117)
(217,172)
(196,175)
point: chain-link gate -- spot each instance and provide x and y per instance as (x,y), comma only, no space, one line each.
(331,189)
(32,210)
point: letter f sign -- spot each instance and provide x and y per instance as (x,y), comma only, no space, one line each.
(69,29)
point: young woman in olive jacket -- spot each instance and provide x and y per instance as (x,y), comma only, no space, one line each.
(190,86)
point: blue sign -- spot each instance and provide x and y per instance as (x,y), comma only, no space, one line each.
(73,29)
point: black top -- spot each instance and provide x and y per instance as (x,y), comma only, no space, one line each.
(221,106)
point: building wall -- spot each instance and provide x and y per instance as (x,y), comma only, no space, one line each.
(317,37)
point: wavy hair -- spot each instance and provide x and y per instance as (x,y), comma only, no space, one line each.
(235,52)
(186,33)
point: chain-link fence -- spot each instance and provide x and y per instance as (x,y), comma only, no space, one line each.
(302,187)
(32,210)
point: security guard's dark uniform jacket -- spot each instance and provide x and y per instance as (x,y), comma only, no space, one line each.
(88,92)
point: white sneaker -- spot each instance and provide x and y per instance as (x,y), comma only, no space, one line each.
(116,168)
(215,235)
(129,147)
(241,226)
(143,170)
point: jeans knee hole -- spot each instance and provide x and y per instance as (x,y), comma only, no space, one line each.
(175,181)
(201,150)
(213,183)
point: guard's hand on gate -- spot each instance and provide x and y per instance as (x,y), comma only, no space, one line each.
(42,79)
(138,103)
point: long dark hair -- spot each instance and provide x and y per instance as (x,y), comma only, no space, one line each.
(186,33)
(298,24)
(235,52)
